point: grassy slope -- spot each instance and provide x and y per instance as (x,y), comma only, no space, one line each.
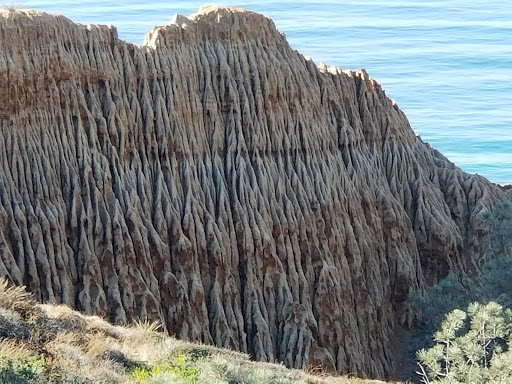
(54,344)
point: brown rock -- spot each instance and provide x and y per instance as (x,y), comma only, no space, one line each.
(217,180)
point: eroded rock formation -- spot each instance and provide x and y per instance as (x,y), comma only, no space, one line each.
(217,180)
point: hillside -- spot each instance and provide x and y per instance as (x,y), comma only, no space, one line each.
(54,344)
(217,181)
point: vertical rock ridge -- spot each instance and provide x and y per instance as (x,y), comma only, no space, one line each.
(217,180)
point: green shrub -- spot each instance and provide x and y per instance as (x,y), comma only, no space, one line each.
(184,368)
(180,367)
(470,347)
(29,370)
(493,283)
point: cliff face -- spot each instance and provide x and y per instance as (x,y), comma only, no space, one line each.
(217,180)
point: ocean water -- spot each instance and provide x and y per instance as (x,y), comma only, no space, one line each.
(447,63)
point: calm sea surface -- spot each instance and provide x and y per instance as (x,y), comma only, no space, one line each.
(448,64)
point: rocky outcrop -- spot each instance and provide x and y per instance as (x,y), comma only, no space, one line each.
(216,179)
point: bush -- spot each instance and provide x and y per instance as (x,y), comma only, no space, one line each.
(179,366)
(494,283)
(470,347)
(28,370)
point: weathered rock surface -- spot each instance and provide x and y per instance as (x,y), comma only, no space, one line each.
(217,180)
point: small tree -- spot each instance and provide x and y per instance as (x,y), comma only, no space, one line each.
(470,347)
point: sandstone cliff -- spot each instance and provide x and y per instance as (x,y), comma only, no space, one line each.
(217,180)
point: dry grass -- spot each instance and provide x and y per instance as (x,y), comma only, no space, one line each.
(15,298)
(15,349)
(52,343)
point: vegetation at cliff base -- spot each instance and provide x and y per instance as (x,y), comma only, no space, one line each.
(455,345)
(493,283)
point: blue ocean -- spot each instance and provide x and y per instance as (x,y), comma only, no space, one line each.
(447,63)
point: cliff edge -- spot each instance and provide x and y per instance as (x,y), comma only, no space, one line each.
(217,180)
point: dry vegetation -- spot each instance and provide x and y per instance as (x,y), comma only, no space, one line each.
(54,344)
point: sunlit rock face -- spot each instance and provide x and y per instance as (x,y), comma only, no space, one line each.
(217,180)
